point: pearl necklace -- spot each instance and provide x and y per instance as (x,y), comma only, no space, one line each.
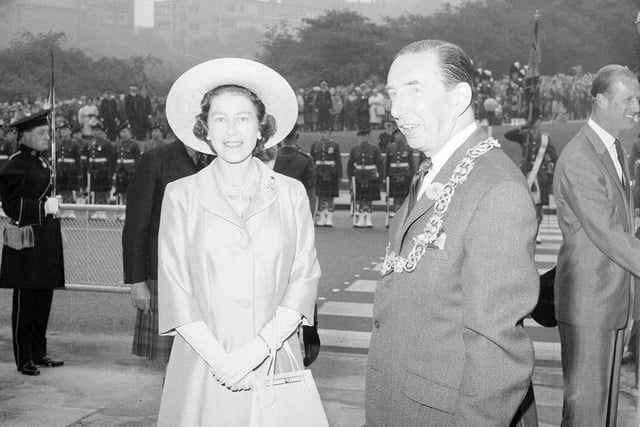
(240,190)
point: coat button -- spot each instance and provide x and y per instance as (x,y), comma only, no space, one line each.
(376,324)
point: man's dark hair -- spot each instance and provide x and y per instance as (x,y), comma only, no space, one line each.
(607,76)
(455,65)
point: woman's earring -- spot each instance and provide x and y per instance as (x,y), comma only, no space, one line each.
(259,135)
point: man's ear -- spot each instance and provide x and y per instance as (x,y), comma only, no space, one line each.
(462,96)
(602,101)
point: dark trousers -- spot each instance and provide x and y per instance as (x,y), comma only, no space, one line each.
(29,320)
(591,360)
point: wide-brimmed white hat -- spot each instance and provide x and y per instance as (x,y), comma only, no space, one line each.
(183,100)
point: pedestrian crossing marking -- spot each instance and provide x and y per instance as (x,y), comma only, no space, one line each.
(362,285)
(551,258)
(353,309)
(338,338)
(548,247)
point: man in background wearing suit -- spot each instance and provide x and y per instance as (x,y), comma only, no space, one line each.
(595,293)
(448,347)
(157,168)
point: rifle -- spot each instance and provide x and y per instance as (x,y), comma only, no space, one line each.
(354,204)
(54,166)
(386,200)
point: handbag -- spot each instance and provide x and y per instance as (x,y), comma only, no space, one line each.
(289,399)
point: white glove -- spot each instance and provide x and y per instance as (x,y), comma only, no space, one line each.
(51,206)
(283,324)
(241,362)
(200,338)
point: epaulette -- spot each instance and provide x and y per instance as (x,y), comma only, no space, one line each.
(14,155)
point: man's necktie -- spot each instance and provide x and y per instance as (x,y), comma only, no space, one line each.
(423,169)
(620,159)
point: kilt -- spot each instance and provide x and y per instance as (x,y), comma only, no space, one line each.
(399,185)
(123,177)
(100,180)
(327,185)
(367,190)
(68,180)
(146,341)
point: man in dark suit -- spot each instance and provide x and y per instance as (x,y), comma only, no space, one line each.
(294,163)
(448,347)
(133,106)
(595,291)
(32,259)
(156,169)
(109,114)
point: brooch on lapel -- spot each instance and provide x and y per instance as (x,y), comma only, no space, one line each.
(271,185)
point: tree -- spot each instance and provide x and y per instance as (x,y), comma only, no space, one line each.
(25,70)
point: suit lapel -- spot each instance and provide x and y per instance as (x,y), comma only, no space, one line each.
(425,204)
(605,158)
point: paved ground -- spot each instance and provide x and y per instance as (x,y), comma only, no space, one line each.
(101,384)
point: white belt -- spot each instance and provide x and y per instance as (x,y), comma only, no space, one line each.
(97,160)
(326,162)
(399,165)
(68,160)
(366,167)
(3,157)
(128,161)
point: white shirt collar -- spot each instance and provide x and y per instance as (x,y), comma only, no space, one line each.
(609,143)
(441,157)
(607,139)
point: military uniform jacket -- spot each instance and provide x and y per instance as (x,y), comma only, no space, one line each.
(101,163)
(545,173)
(69,164)
(24,186)
(326,156)
(6,150)
(157,168)
(399,168)
(295,164)
(365,163)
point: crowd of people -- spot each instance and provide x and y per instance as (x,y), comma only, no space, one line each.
(342,107)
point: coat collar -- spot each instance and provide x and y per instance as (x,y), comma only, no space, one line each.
(211,197)
(424,205)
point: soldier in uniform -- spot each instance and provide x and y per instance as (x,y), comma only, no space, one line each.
(156,140)
(326,156)
(542,187)
(365,164)
(32,263)
(7,145)
(386,137)
(127,157)
(399,168)
(69,168)
(100,167)
(292,162)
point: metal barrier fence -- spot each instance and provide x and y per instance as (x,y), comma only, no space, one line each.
(92,241)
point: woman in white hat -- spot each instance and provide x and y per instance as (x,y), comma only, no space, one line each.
(237,269)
